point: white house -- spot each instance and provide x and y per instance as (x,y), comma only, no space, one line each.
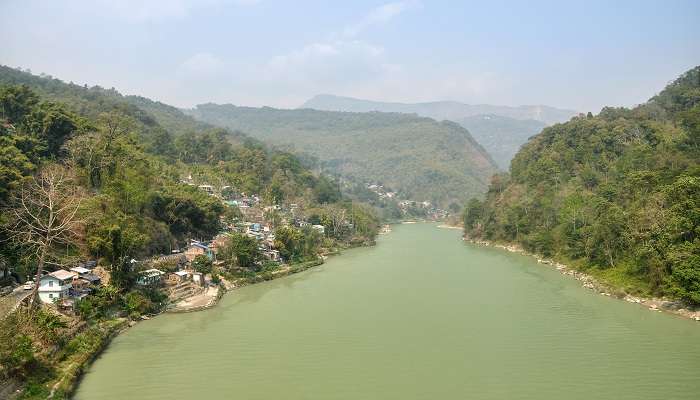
(55,285)
(149,277)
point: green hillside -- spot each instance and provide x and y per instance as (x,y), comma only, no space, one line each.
(421,158)
(501,130)
(617,194)
(128,155)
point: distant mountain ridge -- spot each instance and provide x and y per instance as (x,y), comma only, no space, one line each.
(441,110)
(501,130)
(421,158)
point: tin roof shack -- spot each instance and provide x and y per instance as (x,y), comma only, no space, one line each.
(85,284)
(80,270)
(179,277)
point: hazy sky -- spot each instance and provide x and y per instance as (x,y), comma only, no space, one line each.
(572,54)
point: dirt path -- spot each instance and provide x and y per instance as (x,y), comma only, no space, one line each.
(198,302)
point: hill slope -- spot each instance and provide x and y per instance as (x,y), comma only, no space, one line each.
(618,194)
(421,158)
(500,129)
(501,136)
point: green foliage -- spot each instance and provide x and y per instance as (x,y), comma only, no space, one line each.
(17,355)
(202,264)
(421,158)
(295,244)
(241,251)
(615,190)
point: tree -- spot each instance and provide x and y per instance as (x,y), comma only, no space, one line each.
(202,264)
(43,217)
(241,250)
(16,102)
(288,242)
(472,213)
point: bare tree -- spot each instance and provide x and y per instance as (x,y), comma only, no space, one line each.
(43,217)
(337,216)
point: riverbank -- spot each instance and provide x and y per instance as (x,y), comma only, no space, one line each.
(605,289)
(63,386)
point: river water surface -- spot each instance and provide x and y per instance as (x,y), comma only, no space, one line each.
(420,316)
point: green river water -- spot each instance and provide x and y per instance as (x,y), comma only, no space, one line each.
(420,316)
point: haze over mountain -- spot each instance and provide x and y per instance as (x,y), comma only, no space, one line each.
(419,157)
(501,136)
(440,110)
(500,129)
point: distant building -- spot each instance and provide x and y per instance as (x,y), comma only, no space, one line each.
(207,188)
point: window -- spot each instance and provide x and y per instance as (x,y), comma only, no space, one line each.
(50,295)
(50,283)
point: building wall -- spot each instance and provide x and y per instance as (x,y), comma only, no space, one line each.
(48,293)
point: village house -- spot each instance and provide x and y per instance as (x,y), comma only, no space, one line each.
(197,248)
(179,277)
(55,285)
(217,243)
(150,277)
(207,188)
(85,284)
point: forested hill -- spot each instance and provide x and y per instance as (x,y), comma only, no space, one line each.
(128,156)
(617,193)
(500,129)
(419,157)
(91,102)
(501,136)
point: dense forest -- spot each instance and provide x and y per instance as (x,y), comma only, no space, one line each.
(420,158)
(617,194)
(501,130)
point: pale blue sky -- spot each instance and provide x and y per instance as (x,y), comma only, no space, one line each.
(571,54)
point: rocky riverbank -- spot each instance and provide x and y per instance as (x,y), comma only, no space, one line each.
(589,282)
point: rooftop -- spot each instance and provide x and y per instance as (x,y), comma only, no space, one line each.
(62,274)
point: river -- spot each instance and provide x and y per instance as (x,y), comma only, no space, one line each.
(422,315)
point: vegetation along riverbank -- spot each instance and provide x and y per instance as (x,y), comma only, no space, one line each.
(615,196)
(116,208)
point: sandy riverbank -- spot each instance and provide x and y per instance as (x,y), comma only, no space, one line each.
(446,226)
(590,282)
